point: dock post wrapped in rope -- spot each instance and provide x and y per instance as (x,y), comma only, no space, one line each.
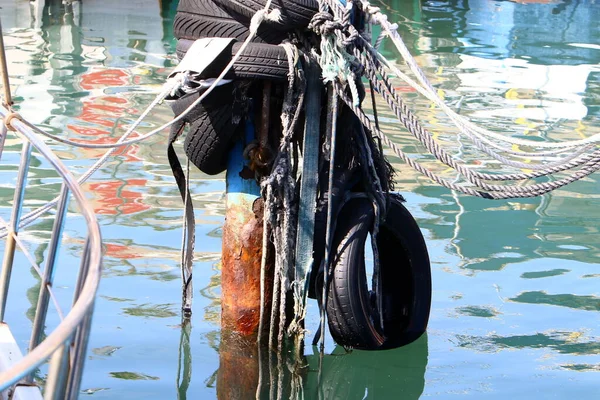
(351,171)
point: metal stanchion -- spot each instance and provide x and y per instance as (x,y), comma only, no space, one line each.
(56,384)
(4,71)
(44,297)
(9,252)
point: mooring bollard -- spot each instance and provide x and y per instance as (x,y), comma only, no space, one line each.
(242,247)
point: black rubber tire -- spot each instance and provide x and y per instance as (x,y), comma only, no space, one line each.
(294,13)
(197,19)
(210,139)
(405,276)
(212,131)
(258,61)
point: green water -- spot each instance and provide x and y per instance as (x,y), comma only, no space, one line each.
(516,304)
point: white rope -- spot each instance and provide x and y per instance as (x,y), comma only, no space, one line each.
(463,123)
(372,65)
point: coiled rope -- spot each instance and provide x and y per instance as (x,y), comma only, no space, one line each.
(577,157)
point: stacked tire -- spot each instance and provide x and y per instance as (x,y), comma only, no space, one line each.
(397,312)
(212,128)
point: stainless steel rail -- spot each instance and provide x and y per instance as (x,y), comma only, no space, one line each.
(66,344)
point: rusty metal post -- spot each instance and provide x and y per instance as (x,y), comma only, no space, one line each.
(242,246)
(241,263)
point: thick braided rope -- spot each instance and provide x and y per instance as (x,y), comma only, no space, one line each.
(375,15)
(570,162)
(403,156)
(475,177)
(412,124)
(532,192)
(477,138)
(349,35)
(337,9)
(467,127)
(374,59)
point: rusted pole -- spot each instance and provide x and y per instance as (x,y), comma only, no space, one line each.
(241,262)
(241,278)
(243,241)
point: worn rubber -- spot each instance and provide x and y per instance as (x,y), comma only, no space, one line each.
(211,128)
(210,139)
(294,13)
(197,19)
(258,61)
(405,276)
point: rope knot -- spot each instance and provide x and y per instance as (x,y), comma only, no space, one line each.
(337,36)
(323,23)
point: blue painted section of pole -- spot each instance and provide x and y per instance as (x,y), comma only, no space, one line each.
(236,187)
(242,246)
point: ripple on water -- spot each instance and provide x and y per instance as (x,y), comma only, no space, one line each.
(561,342)
(588,303)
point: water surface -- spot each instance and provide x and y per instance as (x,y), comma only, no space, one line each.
(516,305)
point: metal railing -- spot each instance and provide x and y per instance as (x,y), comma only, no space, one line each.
(66,345)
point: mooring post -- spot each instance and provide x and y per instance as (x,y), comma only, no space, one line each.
(238,374)
(242,246)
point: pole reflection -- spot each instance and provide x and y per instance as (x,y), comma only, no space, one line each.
(246,373)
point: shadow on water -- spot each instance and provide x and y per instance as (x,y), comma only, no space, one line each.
(398,373)
(244,371)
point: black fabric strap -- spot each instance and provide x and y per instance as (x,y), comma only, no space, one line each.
(182,184)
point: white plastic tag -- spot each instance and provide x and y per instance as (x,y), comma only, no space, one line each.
(201,54)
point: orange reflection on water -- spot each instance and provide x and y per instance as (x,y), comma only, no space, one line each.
(104,78)
(122,252)
(100,115)
(116,198)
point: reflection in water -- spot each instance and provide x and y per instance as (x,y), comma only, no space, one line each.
(562,342)
(549,34)
(184,367)
(398,373)
(589,303)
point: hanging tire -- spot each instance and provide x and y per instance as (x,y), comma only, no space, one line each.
(210,139)
(257,61)
(197,19)
(212,130)
(294,13)
(405,279)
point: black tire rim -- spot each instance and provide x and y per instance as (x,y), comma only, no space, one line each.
(405,276)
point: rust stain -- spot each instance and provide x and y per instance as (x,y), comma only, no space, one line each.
(240,275)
